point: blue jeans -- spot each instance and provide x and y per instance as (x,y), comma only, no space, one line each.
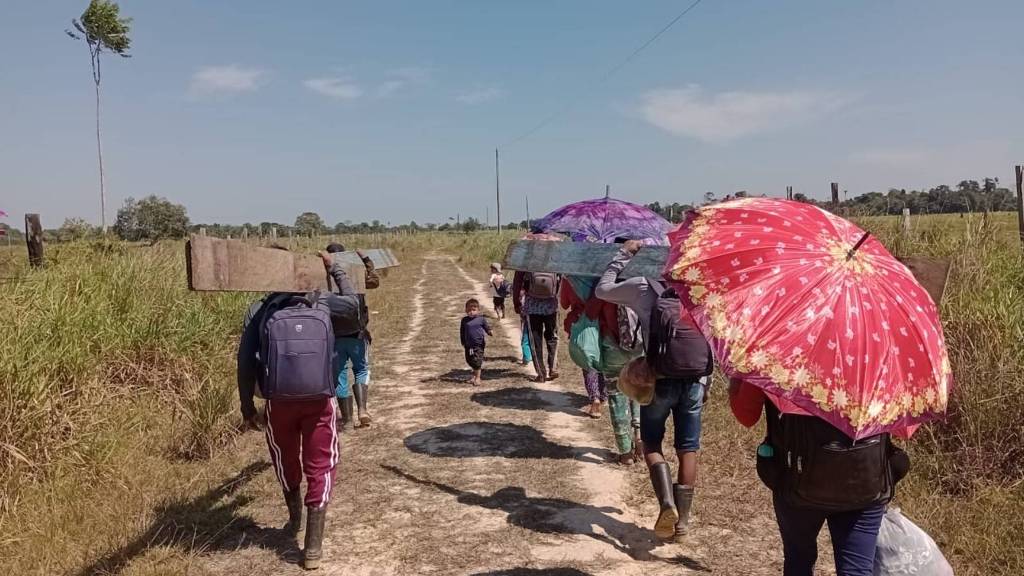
(356,352)
(684,399)
(854,538)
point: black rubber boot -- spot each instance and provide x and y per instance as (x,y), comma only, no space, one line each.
(293,499)
(552,359)
(538,358)
(684,500)
(661,479)
(361,392)
(345,406)
(313,550)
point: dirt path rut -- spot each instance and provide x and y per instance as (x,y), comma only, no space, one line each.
(506,478)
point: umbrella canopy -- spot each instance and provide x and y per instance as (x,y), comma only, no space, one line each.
(604,220)
(810,308)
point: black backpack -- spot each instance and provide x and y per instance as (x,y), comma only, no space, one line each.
(675,347)
(814,465)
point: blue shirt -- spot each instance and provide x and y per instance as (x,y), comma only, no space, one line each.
(474,332)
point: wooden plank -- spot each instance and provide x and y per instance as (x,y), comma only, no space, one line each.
(34,239)
(234,266)
(586,259)
(931,273)
(581,258)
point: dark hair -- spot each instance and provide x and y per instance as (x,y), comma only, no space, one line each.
(279,247)
(472,302)
(334,248)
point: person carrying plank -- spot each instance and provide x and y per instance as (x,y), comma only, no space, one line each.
(354,349)
(680,359)
(286,355)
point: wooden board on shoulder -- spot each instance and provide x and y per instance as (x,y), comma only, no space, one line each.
(590,259)
(214,264)
(581,258)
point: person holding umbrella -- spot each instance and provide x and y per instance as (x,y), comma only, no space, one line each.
(607,220)
(823,330)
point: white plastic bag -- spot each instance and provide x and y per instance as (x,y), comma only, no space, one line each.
(904,549)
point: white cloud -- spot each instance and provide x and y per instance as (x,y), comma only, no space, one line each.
(401,78)
(338,87)
(480,95)
(390,87)
(225,80)
(728,116)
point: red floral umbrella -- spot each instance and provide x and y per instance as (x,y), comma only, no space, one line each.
(810,308)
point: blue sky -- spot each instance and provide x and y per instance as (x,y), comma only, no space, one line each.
(253,111)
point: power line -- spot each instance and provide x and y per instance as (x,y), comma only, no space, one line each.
(603,78)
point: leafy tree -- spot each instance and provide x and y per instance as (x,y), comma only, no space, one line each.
(103,29)
(309,224)
(471,225)
(153,218)
(74,229)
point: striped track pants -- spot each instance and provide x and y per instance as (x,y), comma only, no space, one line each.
(303,439)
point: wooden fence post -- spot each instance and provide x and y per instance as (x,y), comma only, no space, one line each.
(1020,202)
(905,221)
(835,195)
(34,240)
(789,192)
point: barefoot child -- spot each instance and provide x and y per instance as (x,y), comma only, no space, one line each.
(473,333)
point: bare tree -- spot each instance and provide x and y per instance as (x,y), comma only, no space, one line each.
(103,29)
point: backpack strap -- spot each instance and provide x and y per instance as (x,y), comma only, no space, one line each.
(657,285)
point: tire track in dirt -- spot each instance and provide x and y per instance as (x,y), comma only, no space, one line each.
(605,483)
(455,479)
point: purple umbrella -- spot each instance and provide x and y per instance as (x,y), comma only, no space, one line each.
(604,220)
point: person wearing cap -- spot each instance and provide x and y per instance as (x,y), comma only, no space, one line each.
(499,290)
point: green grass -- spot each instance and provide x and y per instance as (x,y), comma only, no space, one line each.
(117,386)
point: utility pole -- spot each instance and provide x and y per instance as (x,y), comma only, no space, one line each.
(528,225)
(835,196)
(789,192)
(1020,201)
(607,191)
(497,187)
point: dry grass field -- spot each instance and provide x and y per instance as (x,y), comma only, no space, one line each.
(120,451)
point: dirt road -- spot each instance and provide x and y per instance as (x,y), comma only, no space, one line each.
(508,478)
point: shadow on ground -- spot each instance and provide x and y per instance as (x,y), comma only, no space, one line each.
(535,572)
(524,398)
(560,516)
(482,439)
(461,375)
(206,523)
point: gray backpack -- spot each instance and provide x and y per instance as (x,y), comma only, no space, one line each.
(543,285)
(296,347)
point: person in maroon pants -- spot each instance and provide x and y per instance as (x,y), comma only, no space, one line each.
(301,428)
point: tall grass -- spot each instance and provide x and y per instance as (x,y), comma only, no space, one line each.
(105,356)
(99,327)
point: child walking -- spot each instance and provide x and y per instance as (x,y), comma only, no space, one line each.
(473,333)
(499,290)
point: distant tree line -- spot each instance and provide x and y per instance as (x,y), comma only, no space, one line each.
(967,196)
(154,218)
